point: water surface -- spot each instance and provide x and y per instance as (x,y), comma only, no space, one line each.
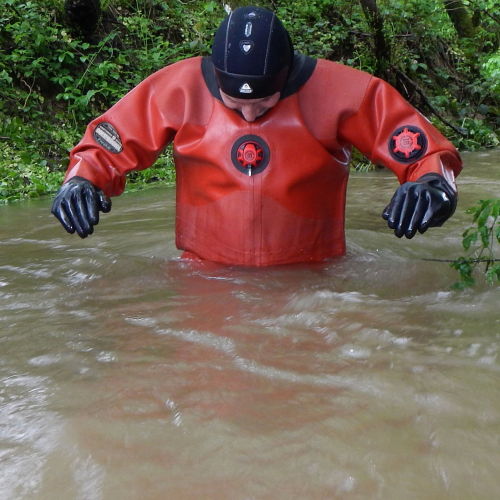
(127,373)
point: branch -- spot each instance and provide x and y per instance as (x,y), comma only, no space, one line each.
(472,261)
(460,18)
(493,16)
(417,87)
(381,46)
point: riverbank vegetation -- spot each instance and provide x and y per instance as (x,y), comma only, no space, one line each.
(481,243)
(63,62)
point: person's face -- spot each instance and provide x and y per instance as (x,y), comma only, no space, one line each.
(250,109)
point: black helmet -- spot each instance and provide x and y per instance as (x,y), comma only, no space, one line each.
(252,53)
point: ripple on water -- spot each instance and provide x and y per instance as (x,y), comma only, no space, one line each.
(351,351)
(45,360)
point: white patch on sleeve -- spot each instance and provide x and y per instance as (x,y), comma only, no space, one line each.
(107,136)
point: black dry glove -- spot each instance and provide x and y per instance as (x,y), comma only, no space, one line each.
(428,202)
(77,206)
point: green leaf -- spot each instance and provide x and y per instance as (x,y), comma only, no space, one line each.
(469,238)
(484,214)
(493,274)
(485,236)
(495,208)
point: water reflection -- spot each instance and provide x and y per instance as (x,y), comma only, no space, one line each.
(127,373)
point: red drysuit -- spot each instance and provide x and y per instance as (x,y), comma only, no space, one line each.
(270,191)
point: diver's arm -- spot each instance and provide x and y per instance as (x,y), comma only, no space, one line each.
(391,132)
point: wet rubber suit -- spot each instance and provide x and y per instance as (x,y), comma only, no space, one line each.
(270,191)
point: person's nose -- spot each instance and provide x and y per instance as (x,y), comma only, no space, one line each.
(249,112)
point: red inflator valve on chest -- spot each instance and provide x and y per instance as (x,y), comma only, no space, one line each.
(250,154)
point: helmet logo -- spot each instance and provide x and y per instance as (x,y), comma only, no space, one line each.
(246,46)
(246,89)
(248,29)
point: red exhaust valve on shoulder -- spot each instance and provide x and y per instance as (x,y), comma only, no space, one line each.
(407,144)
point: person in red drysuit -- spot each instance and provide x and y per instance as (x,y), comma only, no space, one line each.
(262,138)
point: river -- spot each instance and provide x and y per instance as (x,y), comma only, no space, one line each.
(127,373)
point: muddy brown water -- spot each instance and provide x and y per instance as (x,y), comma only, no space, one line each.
(126,373)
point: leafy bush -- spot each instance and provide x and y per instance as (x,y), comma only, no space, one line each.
(20,178)
(53,79)
(481,241)
(52,82)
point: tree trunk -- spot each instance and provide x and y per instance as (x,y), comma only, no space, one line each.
(83,15)
(460,18)
(382,49)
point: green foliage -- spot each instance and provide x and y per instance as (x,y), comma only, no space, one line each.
(481,242)
(54,80)
(490,70)
(20,178)
(162,171)
(30,158)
